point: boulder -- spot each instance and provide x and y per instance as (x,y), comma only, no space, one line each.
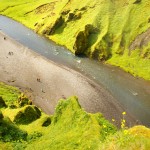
(52,28)
(27,115)
(1,116)
(2,103)
(23,100)
(46,122)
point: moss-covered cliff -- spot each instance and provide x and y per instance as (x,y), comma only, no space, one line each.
(116,31)
(24,126)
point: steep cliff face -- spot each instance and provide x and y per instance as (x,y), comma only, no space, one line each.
(24,126)
(116,31)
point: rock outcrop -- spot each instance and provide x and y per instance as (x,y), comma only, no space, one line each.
(27,115)
(119,26)
(2,103)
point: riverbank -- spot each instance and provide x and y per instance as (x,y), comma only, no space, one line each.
(120,38)
(128,90)
(67,128)
(46,82)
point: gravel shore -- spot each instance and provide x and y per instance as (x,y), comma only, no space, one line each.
(46,82)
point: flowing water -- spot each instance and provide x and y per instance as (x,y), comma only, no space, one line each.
(132,93)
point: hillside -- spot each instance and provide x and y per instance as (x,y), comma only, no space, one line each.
(24,126)
(114,31)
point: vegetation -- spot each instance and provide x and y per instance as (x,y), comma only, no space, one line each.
(69,128)
(116,31)
(113,31)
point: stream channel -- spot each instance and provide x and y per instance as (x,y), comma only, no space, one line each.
(132,93)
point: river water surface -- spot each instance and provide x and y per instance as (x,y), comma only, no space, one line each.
(132,93)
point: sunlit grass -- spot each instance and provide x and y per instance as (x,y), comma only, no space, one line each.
(134,64)
(9,93)
(71,127)
(118,23)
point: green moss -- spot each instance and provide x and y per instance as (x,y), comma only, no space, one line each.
(27,115)
(4,146)
(69,128)
(11,97)
(73,128)
(133,64)
(10,132)
(9,94)
(140,131)
(134,138)
(23,100)
(1,115)
(46,121)
(2,103)
(118,26)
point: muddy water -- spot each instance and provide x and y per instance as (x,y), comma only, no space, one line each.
(132,93)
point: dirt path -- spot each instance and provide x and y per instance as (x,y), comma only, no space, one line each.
(47,82)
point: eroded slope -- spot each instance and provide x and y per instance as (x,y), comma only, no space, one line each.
(24,126)
(116,30)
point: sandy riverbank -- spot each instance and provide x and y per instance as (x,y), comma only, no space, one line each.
(47,82)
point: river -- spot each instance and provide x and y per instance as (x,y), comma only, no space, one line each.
(132,93)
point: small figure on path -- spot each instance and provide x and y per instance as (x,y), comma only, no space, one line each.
(42,91)
(38,80)
(10,53)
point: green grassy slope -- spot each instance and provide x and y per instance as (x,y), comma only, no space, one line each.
(24,126)
(105,30)
(116,31)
